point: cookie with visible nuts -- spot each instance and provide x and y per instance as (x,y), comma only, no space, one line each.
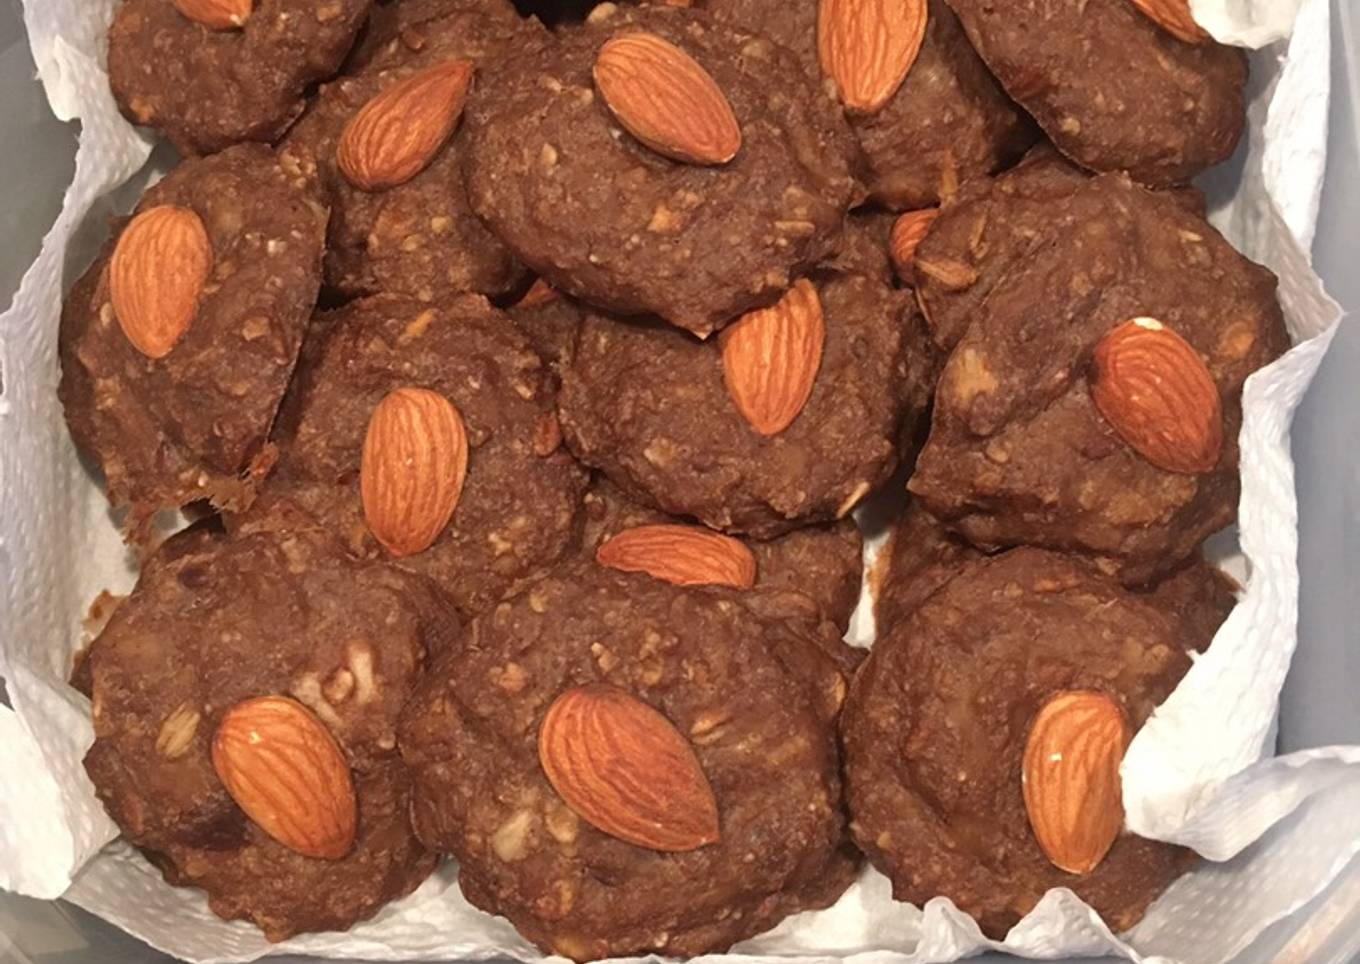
(209,74)
(983,737)
(178,343)
(386,484)
(245,703)
(613,738)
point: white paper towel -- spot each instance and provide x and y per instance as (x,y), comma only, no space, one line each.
(1193,775)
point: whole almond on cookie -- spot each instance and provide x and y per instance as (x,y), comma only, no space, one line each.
(285,770)
(665,99)
(396,135)
(1155,391)
(217,14)
(1070,775)
(1175,18)
(907,233)
(771,358)
(157,275)
(868,47)
(626,770)
(680,554)
(413,468)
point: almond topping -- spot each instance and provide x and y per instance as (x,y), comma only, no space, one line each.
(907,232)
(1155,391)
(414,464)
(217,14)
(1175,18)
(771,358)
(626,770)
(666,100)
(540,293)
(680,554)
(868,46)
(157,275)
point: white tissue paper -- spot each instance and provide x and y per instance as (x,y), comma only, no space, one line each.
(1199,773)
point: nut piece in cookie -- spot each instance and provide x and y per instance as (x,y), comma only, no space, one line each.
(984,733)
(624,766)
(554,170)
(490,407)
(208,80)
(245,706)
(178,343)
(1053,427)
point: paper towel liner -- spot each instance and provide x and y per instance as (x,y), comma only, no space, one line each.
(1281,828)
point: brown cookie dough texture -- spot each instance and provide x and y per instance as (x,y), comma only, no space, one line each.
(948,121)
(745,677)
(420,237)
(192,424)
(277,609)
(611,221)
(207,89)
(648,406)
(550,320)
(518,509)
(1114,91)
(825,563)
(1018,452)
(938,718)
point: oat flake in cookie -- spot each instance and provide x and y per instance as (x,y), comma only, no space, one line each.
(1020,451)
(939,719)
(730,695)
(417,237)
(1113,90)
(191,422)
(518,507)
(208,87)
(278,609)
(606,218)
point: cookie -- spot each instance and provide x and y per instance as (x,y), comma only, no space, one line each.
(824,563)
(392,20)
(607,219)
(517,512)
(736,694)
(278,609)
(418,237)
(947,122)
(1114,91)
(550,320)
(207,88)
(192,422)
(650,407)
(937,724)
(1019,451)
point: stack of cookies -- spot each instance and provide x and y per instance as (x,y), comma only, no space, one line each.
(521,379)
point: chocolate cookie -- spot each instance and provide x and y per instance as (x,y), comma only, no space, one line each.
(649,406)
(550,321)
(1018,450)
(823,562)
(191,424)
(716,709)
(208,87)
(608,219)
(391,20)
(1114,91)
(948,121)
(278,609)
(939,717)
(518,508)
(418,237)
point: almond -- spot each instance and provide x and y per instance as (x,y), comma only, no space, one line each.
(868,46)
(771,358)
(1070,777)
(157,275)
(1155,391)
(907,232)
(626,770)
(540,293)
(666,100)
(217,14)
(398,132)
(680,554)
(413,468)
(285,770)
(1175,18)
